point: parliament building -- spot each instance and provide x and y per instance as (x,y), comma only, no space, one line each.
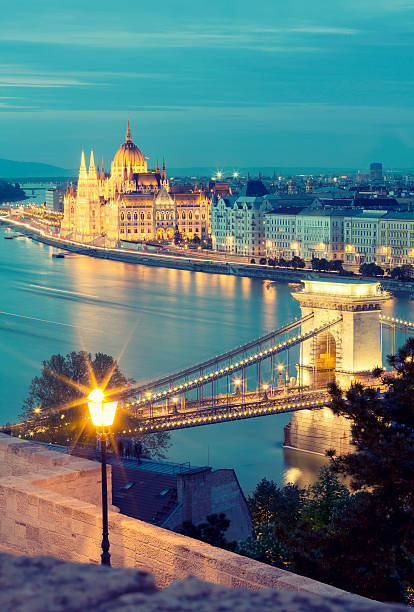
(131,203)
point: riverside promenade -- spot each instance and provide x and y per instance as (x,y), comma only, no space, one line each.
(192,263)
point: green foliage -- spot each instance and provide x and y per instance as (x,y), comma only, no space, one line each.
(272,504)
(178,238)
(322,498)
(262,546)
(56,410)
(327,266)
(11,193)
(212,531)
(404,272)
(371,269)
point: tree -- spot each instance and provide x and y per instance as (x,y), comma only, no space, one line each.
(272,504)
(298,262)
(404,272)
(322,498)
(262,546)
(382,470)
(178,238)
(262,261)
(55,409)
(371,269)
(212,531)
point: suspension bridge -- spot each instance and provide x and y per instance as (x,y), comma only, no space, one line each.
(342,335)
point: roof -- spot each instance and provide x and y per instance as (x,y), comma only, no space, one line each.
(147,490)
(286,210)
(406,215)
(253,188)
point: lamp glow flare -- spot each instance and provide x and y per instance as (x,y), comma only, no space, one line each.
(102,413)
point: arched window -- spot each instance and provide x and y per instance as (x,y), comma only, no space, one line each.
(142,216)
(72,210)
(183,215)
(149,216)
(190,215)
(197,215)
(135,216)
(203,215)
(129,216)
(122,216)
(93,213)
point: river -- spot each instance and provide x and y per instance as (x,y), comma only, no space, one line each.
(160,320)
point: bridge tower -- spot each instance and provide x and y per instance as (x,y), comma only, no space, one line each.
(346,352)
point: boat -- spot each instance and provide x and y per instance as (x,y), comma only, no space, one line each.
(8,237)
(58,255)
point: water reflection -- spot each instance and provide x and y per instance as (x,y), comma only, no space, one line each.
(170,318)
(301,467)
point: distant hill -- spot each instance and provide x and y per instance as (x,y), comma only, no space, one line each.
(17,170)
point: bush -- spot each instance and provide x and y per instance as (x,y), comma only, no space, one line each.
(262,261)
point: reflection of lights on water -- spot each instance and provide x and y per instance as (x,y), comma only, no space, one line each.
(292,475)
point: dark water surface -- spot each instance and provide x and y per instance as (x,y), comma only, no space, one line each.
(163,320)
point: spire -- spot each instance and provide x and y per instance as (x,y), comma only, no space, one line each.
(164,173)
(82,170)
(98,171)
(102,169)
(158,167)
(71,189)
(92,169)
(128,137)
(67,189)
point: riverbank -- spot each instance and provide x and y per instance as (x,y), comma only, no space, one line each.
(192,262)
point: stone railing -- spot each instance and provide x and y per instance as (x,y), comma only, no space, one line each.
(28,585)
(49,506)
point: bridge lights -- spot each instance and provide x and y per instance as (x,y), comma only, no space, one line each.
(265,387)
(237,384)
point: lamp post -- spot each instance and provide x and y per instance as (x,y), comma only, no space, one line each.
(265,389)
(102,415)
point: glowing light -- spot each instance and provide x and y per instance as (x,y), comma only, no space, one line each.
(37,409)
(265,387)
(294,246)
(102,413)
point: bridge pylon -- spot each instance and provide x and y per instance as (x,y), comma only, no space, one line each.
(345,353)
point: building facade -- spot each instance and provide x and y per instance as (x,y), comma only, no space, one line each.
(131,203)
(304,232)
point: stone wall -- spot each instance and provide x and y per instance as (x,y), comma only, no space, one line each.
(37,516)
(211,492)
(318,431)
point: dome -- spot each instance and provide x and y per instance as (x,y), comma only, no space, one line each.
(129,155)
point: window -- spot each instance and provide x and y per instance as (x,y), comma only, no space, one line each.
(129,216)
(122,216)
(135,216)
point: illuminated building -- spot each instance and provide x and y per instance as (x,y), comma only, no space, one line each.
(237,224)
(131,203)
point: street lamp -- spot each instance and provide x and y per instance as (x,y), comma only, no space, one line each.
(237,384)
(102,415)
(265,387)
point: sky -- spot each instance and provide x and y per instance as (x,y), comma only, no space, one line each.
(210,83)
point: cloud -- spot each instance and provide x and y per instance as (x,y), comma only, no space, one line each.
(192,36)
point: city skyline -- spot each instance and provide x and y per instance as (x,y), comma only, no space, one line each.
(285,86)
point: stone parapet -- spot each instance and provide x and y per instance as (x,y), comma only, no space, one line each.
(43,515)
(38,584)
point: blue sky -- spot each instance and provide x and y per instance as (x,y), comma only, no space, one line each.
(222,83)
